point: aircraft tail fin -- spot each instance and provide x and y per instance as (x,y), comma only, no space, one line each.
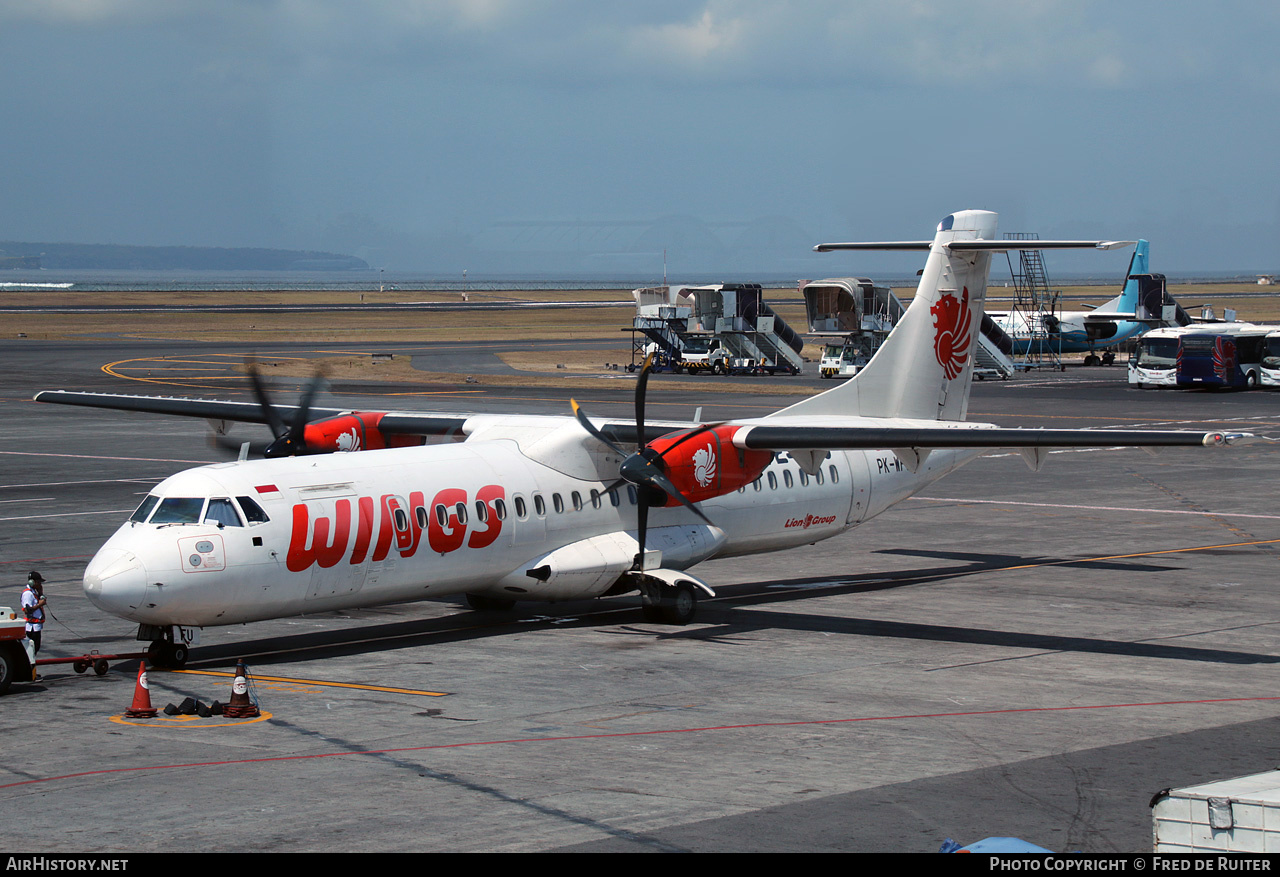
(1127,301)
(924,369)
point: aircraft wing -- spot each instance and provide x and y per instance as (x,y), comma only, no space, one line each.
(792,437)
(989,245)
(400,423)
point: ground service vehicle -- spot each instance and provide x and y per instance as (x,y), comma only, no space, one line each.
(1222,357)
(1154,361)
(17,659)
(1271,361)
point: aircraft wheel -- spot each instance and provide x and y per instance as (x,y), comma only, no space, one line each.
(679,604)
(1108,358)
(8,668)
(168,655)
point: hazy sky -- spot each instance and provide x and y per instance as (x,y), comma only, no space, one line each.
(416,132)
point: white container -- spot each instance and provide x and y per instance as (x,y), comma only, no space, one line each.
(1240,815)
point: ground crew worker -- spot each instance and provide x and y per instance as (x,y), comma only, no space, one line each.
(33,603)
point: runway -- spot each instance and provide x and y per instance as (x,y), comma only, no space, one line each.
(1008,653)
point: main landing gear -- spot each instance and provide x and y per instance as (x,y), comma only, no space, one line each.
(669,604)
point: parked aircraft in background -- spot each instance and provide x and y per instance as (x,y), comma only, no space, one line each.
(547,508)
(1141,306)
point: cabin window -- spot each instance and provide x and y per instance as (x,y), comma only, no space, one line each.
(804,478)
(522,510)
(757,485)
(401,520)
(632,495)
(442,516)
(421,514)
(143,510)
(614,499)
(222,513)
(539,505)
(461,511)
(786,479)
(179,510)
(558,503)
(253,512)
(482,512)
(500,509)
(577,501)
(773,481)
(817,476)
(595,499)
(835,475)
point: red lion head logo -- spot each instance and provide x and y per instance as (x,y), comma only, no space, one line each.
(953,331)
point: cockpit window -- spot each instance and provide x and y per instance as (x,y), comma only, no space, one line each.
(253,512)
(145,509)
(222,513)
(179,510)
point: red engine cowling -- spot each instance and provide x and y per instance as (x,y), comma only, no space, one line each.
(708,465)
(357,431)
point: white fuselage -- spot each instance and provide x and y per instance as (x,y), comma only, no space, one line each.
(359,529)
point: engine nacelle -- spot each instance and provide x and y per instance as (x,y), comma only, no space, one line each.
(708,465)
(357,431)
(581,570)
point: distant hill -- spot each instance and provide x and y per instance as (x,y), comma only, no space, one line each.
(24,255)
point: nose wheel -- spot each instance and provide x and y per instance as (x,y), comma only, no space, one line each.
(168,654)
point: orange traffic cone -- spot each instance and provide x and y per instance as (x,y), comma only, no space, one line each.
(241,707)
(141,707)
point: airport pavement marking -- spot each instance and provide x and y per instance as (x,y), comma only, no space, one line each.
(188,722)
(1106,508)
(257,677)
(622,735)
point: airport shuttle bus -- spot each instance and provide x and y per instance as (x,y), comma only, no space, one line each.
(1154,361)
(1222,356)
(1271,360)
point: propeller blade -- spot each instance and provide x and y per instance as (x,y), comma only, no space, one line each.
(642,524)
(302,416)
(672,491)
(294,440)
(645,371)
(274,422)
(590,428)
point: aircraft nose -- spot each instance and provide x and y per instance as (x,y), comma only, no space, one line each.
(116,582)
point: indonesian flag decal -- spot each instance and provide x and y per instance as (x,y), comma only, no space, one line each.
(953,332)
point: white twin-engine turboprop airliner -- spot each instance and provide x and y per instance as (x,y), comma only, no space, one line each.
(548,508)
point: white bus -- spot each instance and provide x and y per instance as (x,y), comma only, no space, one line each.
(1271,360)
(1154,361)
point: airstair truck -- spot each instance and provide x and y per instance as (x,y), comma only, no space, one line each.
(852,316)
(758,340)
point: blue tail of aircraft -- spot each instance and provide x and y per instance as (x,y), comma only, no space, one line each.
(1128,300)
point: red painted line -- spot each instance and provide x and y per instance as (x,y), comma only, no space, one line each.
(624,734)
